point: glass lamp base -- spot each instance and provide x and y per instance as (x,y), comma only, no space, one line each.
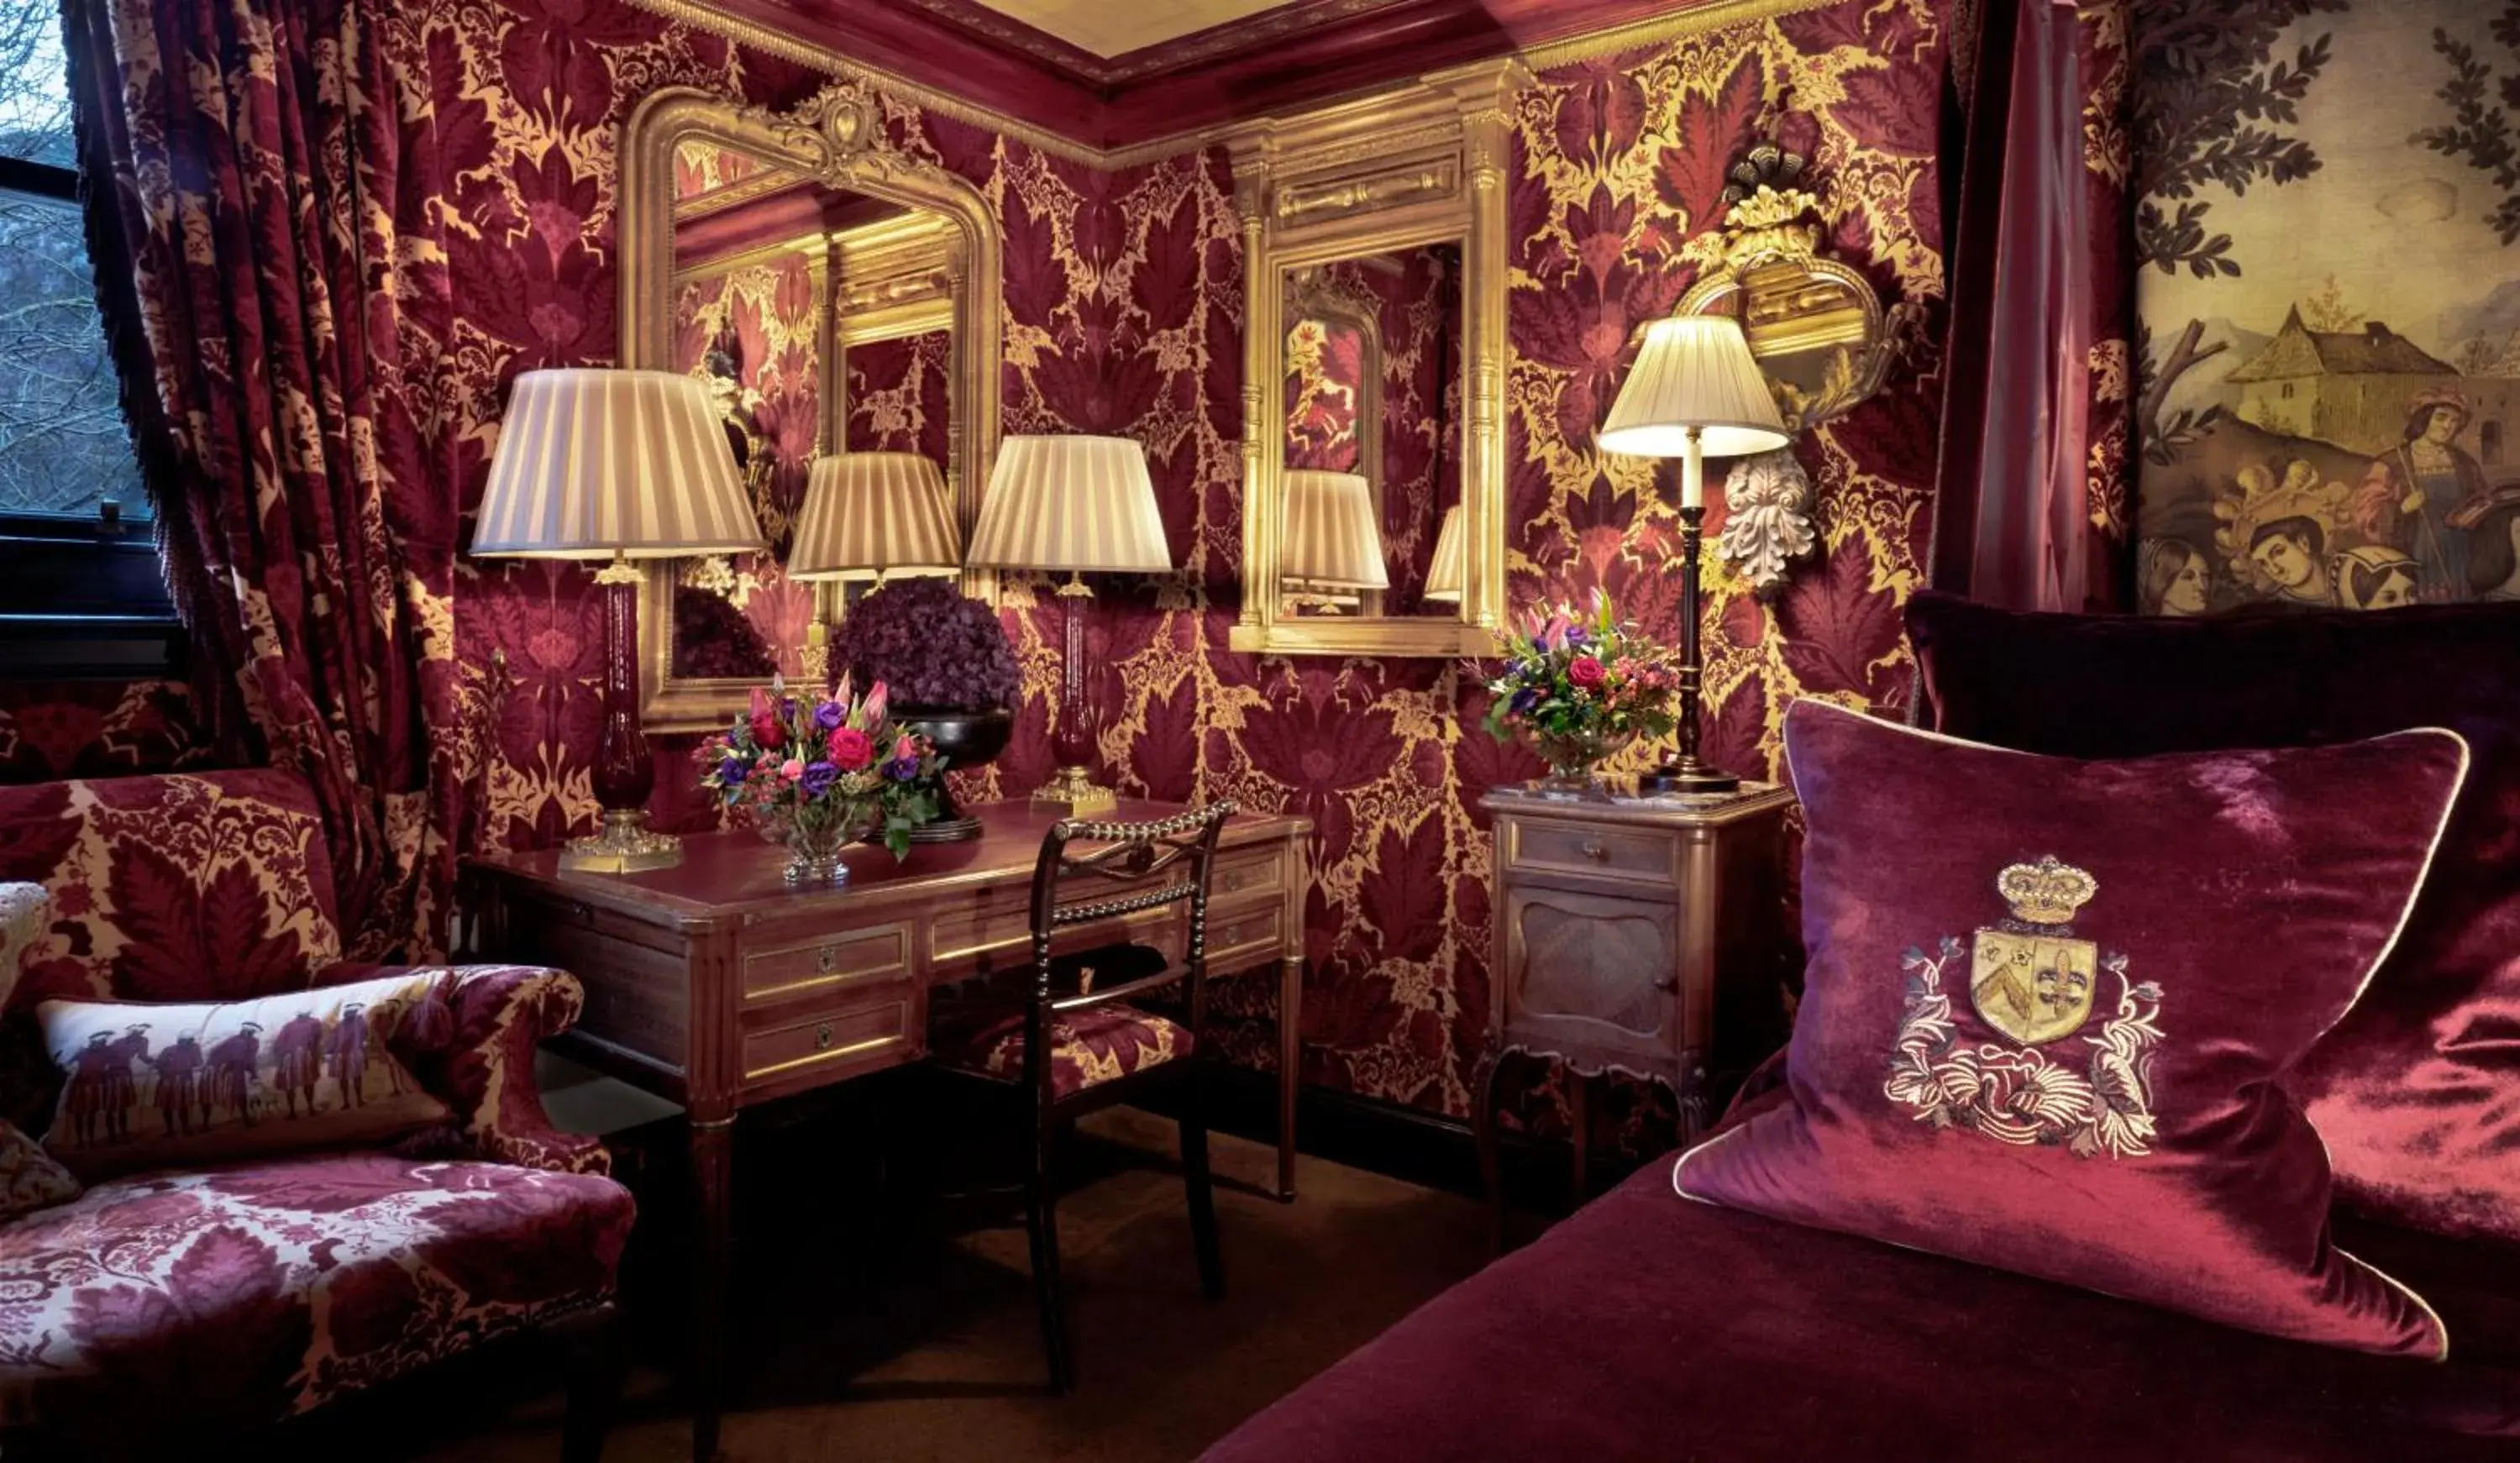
(1072,792)
(626,845)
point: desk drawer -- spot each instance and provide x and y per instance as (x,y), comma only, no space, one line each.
(1245,937)
(1624,855)
(972,941)
(1248,873)
(842,958)
(875,1033)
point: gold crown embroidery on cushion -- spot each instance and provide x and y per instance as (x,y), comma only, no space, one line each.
(2047,892)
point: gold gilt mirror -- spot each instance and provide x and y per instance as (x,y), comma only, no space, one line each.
(838,297)
(1373,248)
(1815,324)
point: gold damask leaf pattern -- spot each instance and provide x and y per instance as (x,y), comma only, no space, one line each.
(1123,314)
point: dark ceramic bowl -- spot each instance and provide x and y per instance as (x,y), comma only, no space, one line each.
(964,738)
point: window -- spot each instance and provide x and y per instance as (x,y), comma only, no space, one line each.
(81,574)
(2489,439)
(2287,391)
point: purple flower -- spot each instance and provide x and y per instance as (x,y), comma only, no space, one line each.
(818,777)
(1525,699)
(902,769)
(734,770)
(829,715)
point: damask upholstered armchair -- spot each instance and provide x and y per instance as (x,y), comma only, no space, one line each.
(235,1294)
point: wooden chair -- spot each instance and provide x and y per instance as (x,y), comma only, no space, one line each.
(1079,1041)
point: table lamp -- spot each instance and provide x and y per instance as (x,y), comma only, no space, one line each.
(874,512)
(868,514)
(1446,570)
(1331,544)
(1694,392)
(615,464)
(1074,505)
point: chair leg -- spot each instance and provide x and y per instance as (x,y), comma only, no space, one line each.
(1049,1294)
(599,1355)
(1201,1191)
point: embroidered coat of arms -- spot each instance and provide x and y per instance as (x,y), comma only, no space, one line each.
(2032,981)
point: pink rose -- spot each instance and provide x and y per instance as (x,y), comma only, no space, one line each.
(1585,672)
(791,770)
(851,749)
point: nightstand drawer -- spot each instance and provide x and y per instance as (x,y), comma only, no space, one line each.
(1626,855)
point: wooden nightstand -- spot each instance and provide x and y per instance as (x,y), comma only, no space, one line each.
(1635,935)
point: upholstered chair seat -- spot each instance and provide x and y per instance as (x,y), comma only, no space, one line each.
(1086,1049)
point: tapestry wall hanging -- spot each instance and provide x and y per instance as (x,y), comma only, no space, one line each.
(2330,315)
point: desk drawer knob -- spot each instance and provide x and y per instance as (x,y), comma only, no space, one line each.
(823,1037)
(1235,881)
(1595,853)
(827,957)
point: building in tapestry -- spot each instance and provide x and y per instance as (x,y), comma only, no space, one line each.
(2351,388)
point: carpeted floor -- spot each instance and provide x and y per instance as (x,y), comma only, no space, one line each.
(872,1343)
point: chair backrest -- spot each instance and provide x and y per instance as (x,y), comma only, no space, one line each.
(1093,871)
(215,886)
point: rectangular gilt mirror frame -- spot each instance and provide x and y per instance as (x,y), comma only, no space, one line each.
(895,246)
(1407,185)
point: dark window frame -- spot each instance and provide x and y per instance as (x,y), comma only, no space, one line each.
(79,597)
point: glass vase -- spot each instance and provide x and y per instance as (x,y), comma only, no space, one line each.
(813,841)
(1573,757)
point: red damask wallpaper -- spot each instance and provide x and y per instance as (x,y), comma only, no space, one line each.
(898,395)
(1124,316)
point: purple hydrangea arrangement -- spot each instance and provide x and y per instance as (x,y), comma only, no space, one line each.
(937,648)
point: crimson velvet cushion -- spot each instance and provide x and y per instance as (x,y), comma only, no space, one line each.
(2047,999)
(2417,1091)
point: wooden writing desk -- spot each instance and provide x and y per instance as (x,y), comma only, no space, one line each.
(718,985)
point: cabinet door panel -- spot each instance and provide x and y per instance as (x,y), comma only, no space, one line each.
(1594,973)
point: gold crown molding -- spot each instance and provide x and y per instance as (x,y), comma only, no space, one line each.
(1635,35)
(1653,30)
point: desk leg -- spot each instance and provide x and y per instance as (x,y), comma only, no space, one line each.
(1290,1059)
(712,1158)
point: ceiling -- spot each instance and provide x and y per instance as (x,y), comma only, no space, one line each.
(1117,75)
(1108,29)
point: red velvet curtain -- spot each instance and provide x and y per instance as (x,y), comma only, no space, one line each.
(2030,508)
(243,161)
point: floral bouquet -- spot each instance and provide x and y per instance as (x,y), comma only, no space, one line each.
(1578,686)
(817,774)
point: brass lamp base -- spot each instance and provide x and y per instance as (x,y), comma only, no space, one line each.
(1072,792)
(626,846)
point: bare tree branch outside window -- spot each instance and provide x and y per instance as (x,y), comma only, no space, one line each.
(63,448)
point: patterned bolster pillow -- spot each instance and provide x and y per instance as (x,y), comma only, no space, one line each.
(149,1086)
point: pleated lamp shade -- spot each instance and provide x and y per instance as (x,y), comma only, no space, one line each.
(1694,370)
(1332,542)
(591,463)
(1072,504)
(874,513)
(1445,572)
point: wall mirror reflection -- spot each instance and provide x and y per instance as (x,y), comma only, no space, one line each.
(835,301)
(1372,399)
(1374,367)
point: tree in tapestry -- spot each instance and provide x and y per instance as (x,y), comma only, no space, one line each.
(2330,203)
